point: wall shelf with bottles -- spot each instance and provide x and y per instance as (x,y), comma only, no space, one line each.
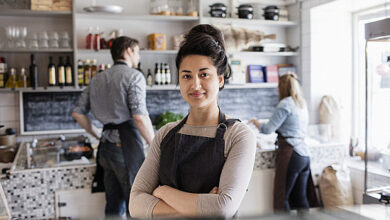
(136,17)
(238,21)
(40,50)
(32,13)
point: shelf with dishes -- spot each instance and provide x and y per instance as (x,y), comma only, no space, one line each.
(34,13)
(241,21)
(153,18)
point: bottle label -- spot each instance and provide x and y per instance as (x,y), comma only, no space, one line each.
(68,71)
(149,80)
(61,75)
(52,76)
(168,78)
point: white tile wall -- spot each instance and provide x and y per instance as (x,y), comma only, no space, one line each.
(9,110)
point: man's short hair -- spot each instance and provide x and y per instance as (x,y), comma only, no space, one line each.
(119,46)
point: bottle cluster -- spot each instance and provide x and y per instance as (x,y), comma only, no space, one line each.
(87,69)
(162,75)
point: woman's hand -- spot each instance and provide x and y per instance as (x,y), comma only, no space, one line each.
(255,122)
(159,191)
(214,190)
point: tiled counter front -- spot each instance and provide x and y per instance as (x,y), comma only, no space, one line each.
(321,155)
(30,193)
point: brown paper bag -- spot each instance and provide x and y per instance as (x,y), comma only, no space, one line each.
(335,187)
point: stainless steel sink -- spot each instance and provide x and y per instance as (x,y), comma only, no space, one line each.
(47,153)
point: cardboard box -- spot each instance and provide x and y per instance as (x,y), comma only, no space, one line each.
(51,5)
(157,41)
(256,73)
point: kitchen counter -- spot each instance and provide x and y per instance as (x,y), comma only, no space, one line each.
(31,192)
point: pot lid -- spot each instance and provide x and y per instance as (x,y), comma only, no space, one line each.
(245,6)
(218,5)
(269,7)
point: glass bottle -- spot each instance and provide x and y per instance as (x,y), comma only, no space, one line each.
(87,72)
(162,81)
(149,78)
(61,73)
(51,72)
(94,68)
(157,74)
(22,79)
(11,81)
(80,73)
(68,72)
(167,74)
(108,66)
(33,73)
(88,40)
(96,40)
(112,38)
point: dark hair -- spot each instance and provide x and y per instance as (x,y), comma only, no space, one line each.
(119,46)
(205,40)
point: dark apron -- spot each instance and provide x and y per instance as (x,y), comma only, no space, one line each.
(132,147)
(193,163)
(283,155)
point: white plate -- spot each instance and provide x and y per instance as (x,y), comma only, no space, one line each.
(115,9)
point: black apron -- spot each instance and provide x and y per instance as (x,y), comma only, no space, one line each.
(283,155)
(193,163)
(131,145)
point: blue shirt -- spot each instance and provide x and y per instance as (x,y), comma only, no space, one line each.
(291,122)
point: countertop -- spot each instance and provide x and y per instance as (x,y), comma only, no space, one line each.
(20,162)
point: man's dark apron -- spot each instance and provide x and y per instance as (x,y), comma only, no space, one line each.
(193,163)
(132,147)
(283,155)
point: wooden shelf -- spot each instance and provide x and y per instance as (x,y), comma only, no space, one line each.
(39,50)
(256,22)
(154,18)
(33,13)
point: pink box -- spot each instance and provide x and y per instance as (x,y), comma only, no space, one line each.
(272,73)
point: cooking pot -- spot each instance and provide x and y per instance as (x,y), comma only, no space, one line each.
(271,13)
(7,153)
(271,9)
(218,10)
(9,138)
(245,11)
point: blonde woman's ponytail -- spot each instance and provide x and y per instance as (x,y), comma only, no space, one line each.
(289,86)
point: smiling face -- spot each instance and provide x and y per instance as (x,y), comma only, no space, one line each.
(199,81)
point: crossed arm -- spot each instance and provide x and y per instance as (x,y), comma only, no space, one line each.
(148,199)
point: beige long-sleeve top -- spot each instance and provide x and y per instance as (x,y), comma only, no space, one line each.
(240,149)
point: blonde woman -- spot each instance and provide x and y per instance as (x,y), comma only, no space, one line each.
(292,165)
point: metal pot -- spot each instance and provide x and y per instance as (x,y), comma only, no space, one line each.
(7,153)
(218,10)
(245,11)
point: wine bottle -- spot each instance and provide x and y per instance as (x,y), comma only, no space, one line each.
(33,73)
(61,73)
(52,72)
(68,72)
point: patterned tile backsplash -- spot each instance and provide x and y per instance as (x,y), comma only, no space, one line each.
(30,193)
